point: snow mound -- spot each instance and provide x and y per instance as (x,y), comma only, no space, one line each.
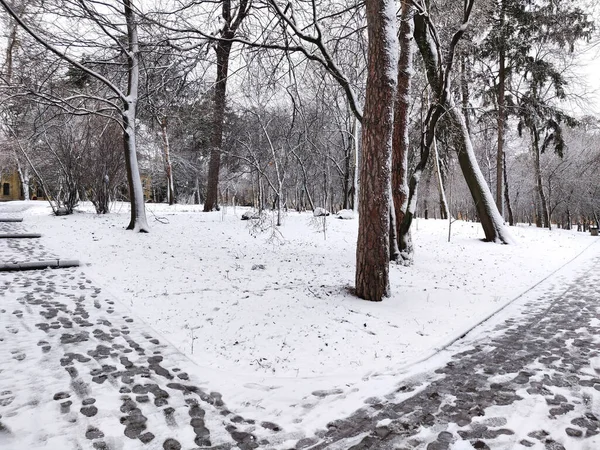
(346,214)
(251,215)
(320,212)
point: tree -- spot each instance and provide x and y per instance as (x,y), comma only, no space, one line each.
(372,251)
(438,75)
(519,29)
(231,24)
(124,99)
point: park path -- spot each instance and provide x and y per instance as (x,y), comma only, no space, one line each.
(78,372)
(532,382)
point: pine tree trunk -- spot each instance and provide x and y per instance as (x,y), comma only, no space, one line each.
(372,253)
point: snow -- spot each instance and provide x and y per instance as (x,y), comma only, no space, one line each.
(290,339)
(346,214)
(319,212)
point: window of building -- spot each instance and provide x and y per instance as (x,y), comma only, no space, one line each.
(6,189)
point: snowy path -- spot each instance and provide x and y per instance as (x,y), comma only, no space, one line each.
(79,371)
(533,382)
(76,372)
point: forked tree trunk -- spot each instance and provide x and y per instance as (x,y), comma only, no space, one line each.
(444,210)
(372,252)
(400,135)
(487,212)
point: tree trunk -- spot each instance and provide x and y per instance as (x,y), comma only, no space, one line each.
(223,50)
(400,134)
(444,210)
(372,252)
(511,218)
(355,164)
(491,221)
(487,212)
(347,175)
(500,172)
(535,142)
(136,192)
(23,178)
(168,166)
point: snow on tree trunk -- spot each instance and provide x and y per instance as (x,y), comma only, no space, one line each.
(372,253)
(444,209)
(138,220)
(168,165)
(511,219)
(401,116)
(355,164)
(24,179)
(438,77)
(491,220)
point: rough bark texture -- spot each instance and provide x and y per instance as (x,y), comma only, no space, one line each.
(372,253)
(400,135)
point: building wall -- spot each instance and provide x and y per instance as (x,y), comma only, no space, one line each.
(10,183)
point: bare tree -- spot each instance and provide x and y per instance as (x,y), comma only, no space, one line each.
(124,100)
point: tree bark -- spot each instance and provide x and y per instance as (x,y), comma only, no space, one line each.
(488,214)
(138,220)
(535,142)
(372,253)
(223,50)
(400,140)
(501,108)
(491,221)
(216,140)
(511,217)
(444,210)
(168,165)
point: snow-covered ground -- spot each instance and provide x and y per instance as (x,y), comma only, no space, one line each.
(269,316)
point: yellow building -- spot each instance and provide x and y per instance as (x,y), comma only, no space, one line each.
(10,187)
